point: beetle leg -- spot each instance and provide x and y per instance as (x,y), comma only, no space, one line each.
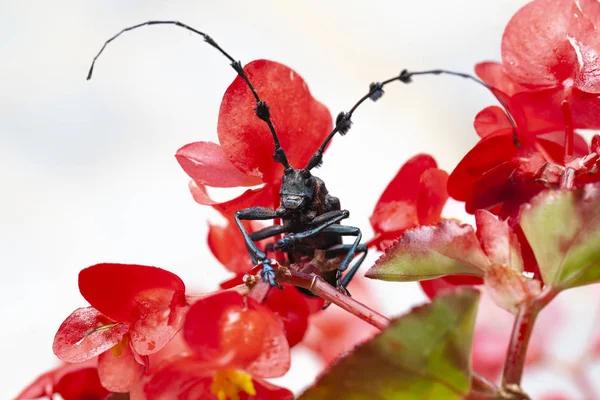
(257,255)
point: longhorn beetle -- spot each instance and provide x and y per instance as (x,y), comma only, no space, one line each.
(310,215)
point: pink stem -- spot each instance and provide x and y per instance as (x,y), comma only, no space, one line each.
(519,340)
(319,287)
(569,133)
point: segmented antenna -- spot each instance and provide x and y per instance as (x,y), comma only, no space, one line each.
(261,110)
(344,122)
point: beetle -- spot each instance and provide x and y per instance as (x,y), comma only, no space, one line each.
(311,217)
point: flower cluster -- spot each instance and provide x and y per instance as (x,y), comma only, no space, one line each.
(144,335)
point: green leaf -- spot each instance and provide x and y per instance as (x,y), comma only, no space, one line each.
(563,229)
(430,252)
(425,354)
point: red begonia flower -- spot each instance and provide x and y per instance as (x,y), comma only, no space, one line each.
(415,196)
(188,378)
(70,381)
(245,156)
(548,42)
(292,307)
(136,311)
(236,332)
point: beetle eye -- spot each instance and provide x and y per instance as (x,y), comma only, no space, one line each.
(288,171)
(305,173)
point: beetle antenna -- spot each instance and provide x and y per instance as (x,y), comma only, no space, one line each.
(344,119)
(261,110)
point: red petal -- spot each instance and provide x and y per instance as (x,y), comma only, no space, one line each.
(291,306)
(129,292)
(206,163)
(535,49)
(300,121)
(497,241)
(85,334)
(432,196)
(239,333)
(396,209)
(228,246)
(490,152)
(493,74)
(584,37)
(183,378)
(46,384)
(118,370)
(490,120)
(81,384)
(552,146)
(188,378)
(263,197)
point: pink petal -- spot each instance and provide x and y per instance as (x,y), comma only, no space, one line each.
(118,370)
(85,334)
(206,163)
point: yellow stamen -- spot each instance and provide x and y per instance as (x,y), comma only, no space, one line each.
(117,349)
(228,383)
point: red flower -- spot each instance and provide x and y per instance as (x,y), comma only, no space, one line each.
(70,381)
(415,196)
(234,343)
(550,81)
(136,310)
(245,156)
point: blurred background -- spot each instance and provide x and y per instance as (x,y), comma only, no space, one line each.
(87,169)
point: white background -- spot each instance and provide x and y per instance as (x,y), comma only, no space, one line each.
(87,171)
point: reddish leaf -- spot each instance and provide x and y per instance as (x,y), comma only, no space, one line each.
(497,240)
(206,163)
(432,196)
(300,121)
(429,252)
(85,334)
(509,288)
(127,292)
(118,370)
(239,333)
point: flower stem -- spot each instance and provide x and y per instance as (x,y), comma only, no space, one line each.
(519,340)
(319,287)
